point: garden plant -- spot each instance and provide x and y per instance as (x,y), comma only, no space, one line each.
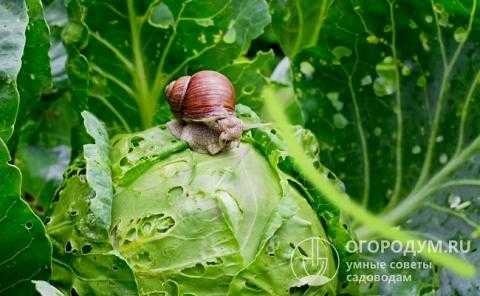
(239,147)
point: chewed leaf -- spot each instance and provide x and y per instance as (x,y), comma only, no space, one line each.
(99,175)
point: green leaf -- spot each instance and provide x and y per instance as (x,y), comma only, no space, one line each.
(146,45)
(99,174)
(13,23)
(25,251)
(341,200)
(84,261)
(44,150)
(249,78)
(200,201)
(34,77)
(393,96)
(297,23)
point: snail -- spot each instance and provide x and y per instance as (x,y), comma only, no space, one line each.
(204,108)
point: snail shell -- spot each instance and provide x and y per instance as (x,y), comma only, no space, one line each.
(206,95)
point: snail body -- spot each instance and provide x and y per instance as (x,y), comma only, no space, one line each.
(204,108)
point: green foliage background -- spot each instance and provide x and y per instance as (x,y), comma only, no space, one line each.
(388,88)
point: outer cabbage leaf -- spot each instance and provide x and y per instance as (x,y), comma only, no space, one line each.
(84,262)
(197,230)
(124,66)
(99,175)
(184,222)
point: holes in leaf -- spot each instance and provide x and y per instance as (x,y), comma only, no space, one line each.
(28,225)
(68,247)
(273,131)
(215,261)
(167,224)
(176,191)
(302,290)
(39,209)
(47,220)
(196,270)
(28,197)
(131,234)
(331,176)
(73,292)
(124,161)
(163,127)
(252,286)
(302,251)
(72,213)
(114,268)
(136,140)
(272,246)
(249,89)
(87,248)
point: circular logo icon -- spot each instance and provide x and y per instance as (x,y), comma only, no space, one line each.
(311,264)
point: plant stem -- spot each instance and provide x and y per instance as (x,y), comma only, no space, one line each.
(416,198)
(146,103)
(344,203)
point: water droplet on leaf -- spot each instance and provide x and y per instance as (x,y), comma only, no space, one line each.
(460,34)
(384,84)
(231,34)
(161,16)
(307,69)
(339,120)
(366,80)
(206,22)
(336,103)
(416,149)
(443,158)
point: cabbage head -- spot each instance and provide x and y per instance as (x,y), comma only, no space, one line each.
(141,214)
